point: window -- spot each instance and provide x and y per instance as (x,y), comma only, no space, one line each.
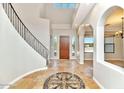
(55,45)
(88,44)
(73,46)
(109,46)
(65,5)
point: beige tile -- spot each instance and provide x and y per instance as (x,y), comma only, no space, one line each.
(37,79)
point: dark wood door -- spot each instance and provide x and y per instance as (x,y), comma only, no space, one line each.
(64,47)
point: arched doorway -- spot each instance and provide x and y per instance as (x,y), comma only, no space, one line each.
(107,75)
(86,43)
(100,33)
(113,37)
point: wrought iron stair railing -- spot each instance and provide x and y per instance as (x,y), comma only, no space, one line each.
(24,32)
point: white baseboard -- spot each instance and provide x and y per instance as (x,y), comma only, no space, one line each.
(20,77)
(100,85)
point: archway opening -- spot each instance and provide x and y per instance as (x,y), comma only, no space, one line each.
(85,43)
(113,37)
(88,43)
(109,45)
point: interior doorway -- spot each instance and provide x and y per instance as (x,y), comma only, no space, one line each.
(64,47)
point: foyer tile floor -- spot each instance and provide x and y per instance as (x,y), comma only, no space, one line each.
(36,80)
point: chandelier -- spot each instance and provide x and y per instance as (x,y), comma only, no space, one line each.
(121,33)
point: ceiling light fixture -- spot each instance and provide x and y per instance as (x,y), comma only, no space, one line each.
(121,33)
(122,26)
(82,25)
(87,24)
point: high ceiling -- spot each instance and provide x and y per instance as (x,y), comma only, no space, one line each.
(46,10)
(30,12)
(58,15)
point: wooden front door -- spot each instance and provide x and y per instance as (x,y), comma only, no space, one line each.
(64,47)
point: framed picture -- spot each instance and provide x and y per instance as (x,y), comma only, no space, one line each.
(109,47)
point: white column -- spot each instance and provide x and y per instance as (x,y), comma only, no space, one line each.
(81,44)
(100,44)
(81,49)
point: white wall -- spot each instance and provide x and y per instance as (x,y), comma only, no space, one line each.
(62,30)
(118,54)
(16,56)
(30,16)
(82,12)
(108,75)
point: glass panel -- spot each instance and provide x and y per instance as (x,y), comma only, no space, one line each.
(88,40)
(109,46)
(109,40)
(65,5)
(73,46)
(55,45)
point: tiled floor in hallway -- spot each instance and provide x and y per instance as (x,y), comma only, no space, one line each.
(36,80)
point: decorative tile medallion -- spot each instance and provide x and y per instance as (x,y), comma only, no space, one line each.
(64,80)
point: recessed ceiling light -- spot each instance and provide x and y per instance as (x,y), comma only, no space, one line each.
(82,25)
(87,24)
(76,25)
(87,4)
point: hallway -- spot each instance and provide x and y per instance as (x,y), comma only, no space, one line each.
(36,80)
(61,46)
